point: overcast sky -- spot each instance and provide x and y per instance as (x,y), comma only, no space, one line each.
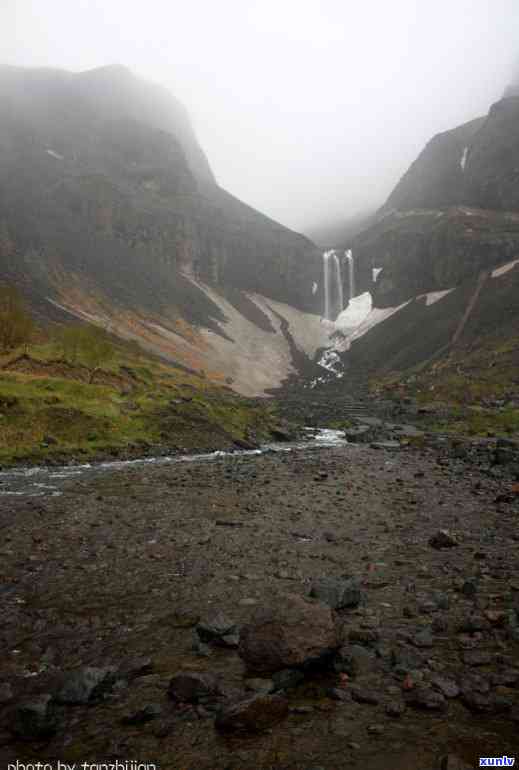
(307,109)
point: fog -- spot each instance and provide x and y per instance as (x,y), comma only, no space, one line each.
(309,110)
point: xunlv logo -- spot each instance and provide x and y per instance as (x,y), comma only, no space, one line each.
(496,761)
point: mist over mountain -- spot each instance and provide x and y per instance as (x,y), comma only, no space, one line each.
(109,208)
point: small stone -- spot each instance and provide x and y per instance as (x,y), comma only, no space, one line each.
(215,628)
(340,694)
(6,692)
(261,686)
(447,687)
(355,660)
(452,762)
(423,639)
(476,658)
(147,714)
(376,729)
(287,678)
(443,539)
(395,708)
(252,715)
(469,588)
(426,698)
(34,719)
(337,593)
(191,687)
(85,684)
(366,636)
(361,695)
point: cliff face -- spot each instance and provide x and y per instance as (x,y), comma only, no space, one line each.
(104,161)
(109,209)
(454,212)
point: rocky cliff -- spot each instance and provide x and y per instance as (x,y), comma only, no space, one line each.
(108,208)
(453,213)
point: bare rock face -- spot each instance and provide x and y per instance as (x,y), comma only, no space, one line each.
(289,631)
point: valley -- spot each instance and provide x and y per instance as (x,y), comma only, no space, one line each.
(259,497)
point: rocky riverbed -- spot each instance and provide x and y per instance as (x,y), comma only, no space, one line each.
(350,606)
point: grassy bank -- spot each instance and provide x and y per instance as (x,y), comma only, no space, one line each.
(53,410)
(471,391)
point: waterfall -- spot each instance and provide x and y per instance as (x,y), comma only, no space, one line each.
(351,273)
(333,292)
(338,283)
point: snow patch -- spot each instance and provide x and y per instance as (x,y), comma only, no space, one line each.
(314,287)
(434,296)
(504,268)
(463,161)
(352,316)
(375,272)
(55,155)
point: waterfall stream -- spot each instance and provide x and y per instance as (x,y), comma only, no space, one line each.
(333,290)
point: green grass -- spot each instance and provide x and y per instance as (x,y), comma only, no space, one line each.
(464,383)
(157,405)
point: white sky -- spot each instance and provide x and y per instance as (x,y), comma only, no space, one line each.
(309,110)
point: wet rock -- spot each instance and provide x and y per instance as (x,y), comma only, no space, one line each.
(337,593)
(260,686)
(388,446)
(132,668)
(365,636)
(216,629)
(287,632)
(476,658)
(34,719)
(405,659)
(6,692)
(191,687)
(474,623)
(443,539)
(287,678)
(363,695)
(425,698)
(488,703)
(340,694)
(469,588)
(85,684)
(146,714)
(252,715)
(423,639)
(376,729)
(395,708)
(439,625)
(452,762)
(354,660)
(359,434)
(447,687)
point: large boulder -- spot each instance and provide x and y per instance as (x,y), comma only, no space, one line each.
(288,631)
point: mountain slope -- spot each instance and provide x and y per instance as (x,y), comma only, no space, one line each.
(109,210)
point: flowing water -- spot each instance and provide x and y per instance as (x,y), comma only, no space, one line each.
(333,291)
(45,481)
(351,273)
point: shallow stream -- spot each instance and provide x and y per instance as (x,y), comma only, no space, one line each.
(42,481)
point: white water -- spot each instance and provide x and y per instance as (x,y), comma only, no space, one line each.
(41,481)
(333,291)
(351,273)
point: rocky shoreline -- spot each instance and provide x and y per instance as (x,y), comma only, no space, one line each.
(295,611)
